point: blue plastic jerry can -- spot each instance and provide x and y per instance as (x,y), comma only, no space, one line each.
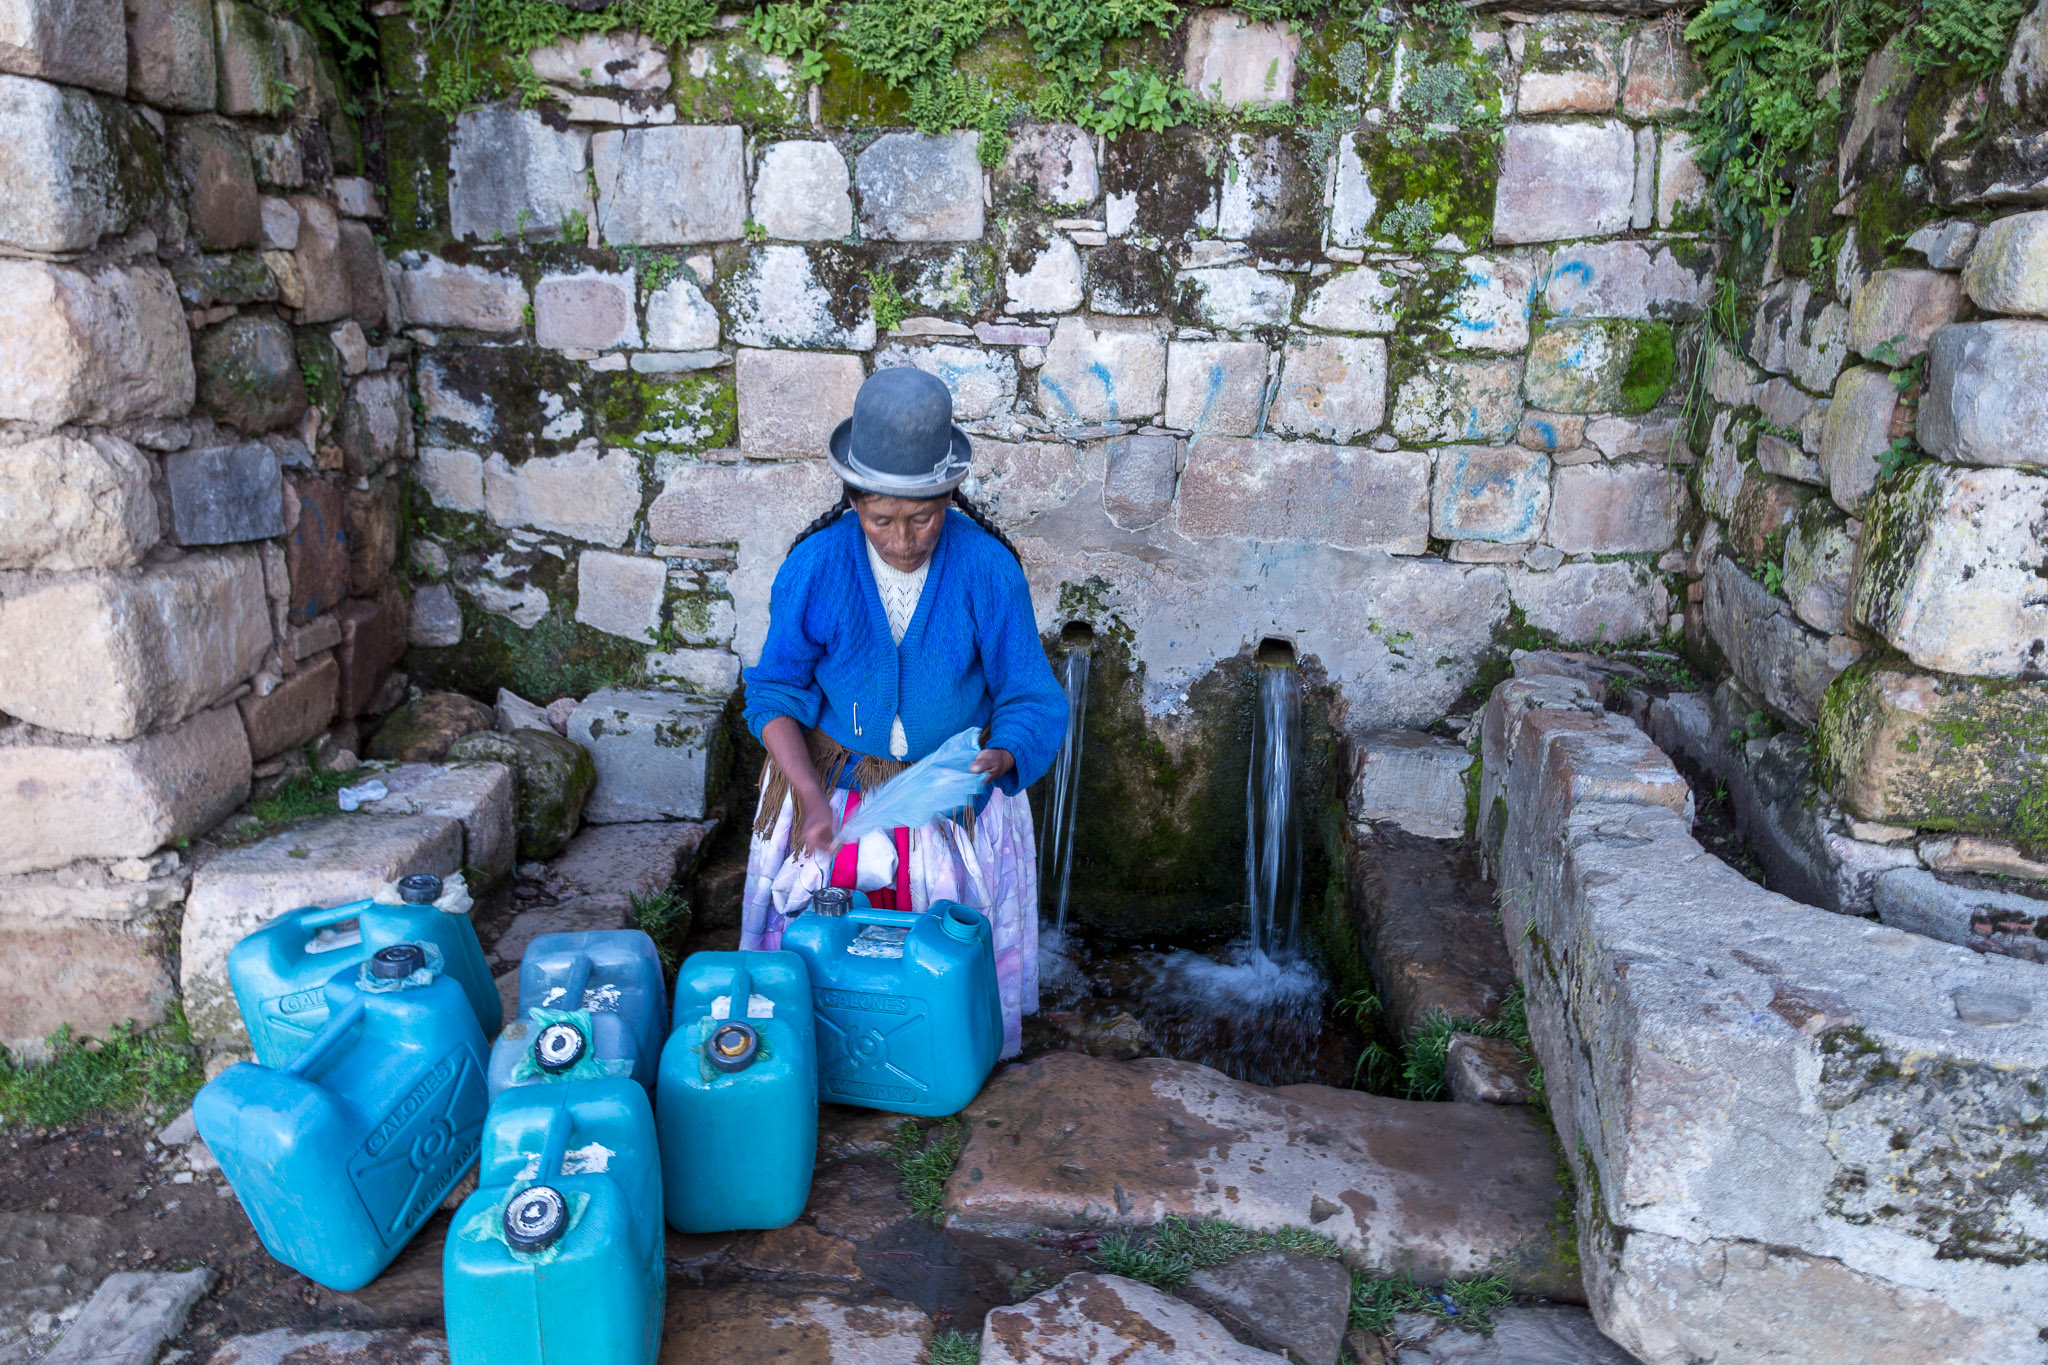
(908,1015)
(558,1257)
(738,1095)
(340,1156)
(605,987)
(279,973)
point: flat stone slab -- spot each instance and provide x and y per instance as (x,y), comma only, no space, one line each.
(477,794)
(1279,1300)
(1521,1336)
(130,1316)
(329,861)
(582,915)
(655,754)
(286,1347)
(1437,1190)
(1429,927)
(1090,1317)
(636,859)
(745,1324)
(1412,780)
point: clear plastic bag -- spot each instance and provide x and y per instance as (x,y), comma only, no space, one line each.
(937,784)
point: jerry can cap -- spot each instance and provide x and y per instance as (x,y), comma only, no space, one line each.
(421,888)
(535,1218)
(558,1047)
(397,962)
(732,1047)
(831,901)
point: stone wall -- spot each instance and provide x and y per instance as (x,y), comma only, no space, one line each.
(1795,1134)
(1371,391)
(1877,514)
(202,422)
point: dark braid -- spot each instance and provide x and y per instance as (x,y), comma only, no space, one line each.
(848,494)
(830,515)
(979,518)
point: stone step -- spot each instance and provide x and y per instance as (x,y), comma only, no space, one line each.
(1280,1301)
(1547,1335)
(1437,1190)
(659,755)
(635,859)
(283,1346)
(130,1316)
(1107,1317)
(1426,921)
(748,1324)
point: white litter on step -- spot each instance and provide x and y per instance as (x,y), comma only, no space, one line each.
(349,798)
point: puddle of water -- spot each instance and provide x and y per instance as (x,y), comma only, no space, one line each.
(1255,1017)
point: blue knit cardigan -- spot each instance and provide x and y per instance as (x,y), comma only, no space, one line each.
(971,656)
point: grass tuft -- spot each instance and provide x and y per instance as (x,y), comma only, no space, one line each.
(663,916)
(952,1347)
(1164,1256)
(1469,1303)
(128,1070)
(923,1159)
(301,796)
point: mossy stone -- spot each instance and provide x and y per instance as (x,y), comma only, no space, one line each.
(421,731)
(551,780)
(1907,747)
(738,84)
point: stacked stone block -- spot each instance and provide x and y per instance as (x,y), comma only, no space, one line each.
(1178,353)
(201,434)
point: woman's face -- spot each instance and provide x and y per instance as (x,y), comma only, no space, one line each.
(904,531)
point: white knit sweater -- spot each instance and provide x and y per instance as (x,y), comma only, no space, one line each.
(900,592)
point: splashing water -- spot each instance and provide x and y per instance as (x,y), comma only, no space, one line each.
(1056,845)
(1251,1016)
(1272,850)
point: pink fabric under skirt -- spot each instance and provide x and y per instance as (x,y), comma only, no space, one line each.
(996,872)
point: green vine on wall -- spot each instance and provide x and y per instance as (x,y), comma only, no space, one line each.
(1763,115)
(518,27)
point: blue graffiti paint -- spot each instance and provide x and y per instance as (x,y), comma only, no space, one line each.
(1215,392)
(1547,432)
(1101,372)
(1058,394)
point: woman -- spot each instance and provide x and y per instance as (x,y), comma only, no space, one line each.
(890,631)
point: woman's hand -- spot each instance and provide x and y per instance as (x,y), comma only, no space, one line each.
(994,762)
(814,830)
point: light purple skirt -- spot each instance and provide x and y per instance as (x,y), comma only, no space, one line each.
(996,872)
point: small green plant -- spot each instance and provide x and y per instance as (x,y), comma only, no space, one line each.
(1896,458)
(1164,1256)
(886,299)
(1470,1302)
(526,315)
(1412,225)
(1774,578)
(575,228)
(651,269)
(128,1070)
(301,796)
(753,231)
(663,916)
(1377,1069)
(286,92)
(1142,99)
(904,42)
(953,1347)
(795,31)
(924,1158)
(456,31)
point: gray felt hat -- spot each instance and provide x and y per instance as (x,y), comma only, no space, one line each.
(902,441)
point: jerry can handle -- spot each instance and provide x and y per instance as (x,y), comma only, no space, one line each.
(579,980)
(742,990)
(321,919)
(891,919)
(555,1147)
(328,1040)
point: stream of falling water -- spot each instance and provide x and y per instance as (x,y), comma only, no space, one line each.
(1272,847)
(1056,843)
(1252,1008)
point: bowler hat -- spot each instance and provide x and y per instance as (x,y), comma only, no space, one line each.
(901,440)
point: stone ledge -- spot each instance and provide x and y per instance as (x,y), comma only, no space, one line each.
(1786,1124)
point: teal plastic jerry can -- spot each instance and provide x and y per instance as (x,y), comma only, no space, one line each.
(606,987)
(340,1156)
(738,1094)
(908,1015)
(279,973)
(557,1258)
